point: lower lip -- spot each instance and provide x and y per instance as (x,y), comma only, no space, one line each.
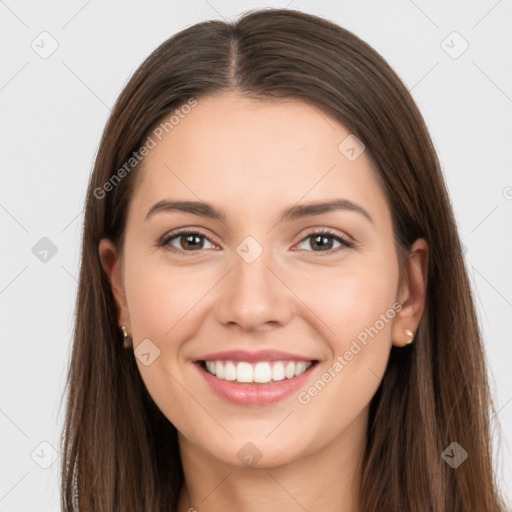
(255,394)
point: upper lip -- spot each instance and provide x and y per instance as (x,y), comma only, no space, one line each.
(251,357)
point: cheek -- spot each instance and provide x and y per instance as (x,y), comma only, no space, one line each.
(166,305)
(161,296)
(163,303)
(351,298)
(360,307)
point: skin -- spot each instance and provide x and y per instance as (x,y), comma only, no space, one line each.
(253,159)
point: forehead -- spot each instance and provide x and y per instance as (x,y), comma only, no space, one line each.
(251,156)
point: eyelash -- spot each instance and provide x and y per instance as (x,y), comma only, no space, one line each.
(164,242)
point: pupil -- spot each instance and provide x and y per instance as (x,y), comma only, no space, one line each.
(191,237)
(323,242)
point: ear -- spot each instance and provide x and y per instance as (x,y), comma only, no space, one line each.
(412,293)
(111,263)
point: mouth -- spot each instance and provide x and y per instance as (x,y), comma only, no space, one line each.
(256,373)
(262,378)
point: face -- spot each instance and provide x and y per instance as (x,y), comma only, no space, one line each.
(322,287)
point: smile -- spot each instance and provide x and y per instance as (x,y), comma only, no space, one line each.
(260,373)
(255,384)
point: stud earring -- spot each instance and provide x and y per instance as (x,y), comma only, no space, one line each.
(127,341)
(409,333)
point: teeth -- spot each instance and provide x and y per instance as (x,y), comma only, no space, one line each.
(210,366)
(219,369)
(289,371)
(244,372)
(261,373)
(230,371)
(278,371)
(300,368)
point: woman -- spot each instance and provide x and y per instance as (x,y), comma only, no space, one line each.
(273,310)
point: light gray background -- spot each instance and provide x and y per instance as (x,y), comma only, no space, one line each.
(53,113)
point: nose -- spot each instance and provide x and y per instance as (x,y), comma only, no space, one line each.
(254,295)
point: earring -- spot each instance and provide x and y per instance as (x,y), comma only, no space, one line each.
(409,333)
(127,341)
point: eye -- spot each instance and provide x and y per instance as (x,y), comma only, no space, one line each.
(193,241)
(188,241)
(320,239)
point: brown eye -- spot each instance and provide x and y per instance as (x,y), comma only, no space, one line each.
(324,240)
(186,241)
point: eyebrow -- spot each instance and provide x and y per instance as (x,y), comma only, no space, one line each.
(292,213)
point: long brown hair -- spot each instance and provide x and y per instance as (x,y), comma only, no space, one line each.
(119,452)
